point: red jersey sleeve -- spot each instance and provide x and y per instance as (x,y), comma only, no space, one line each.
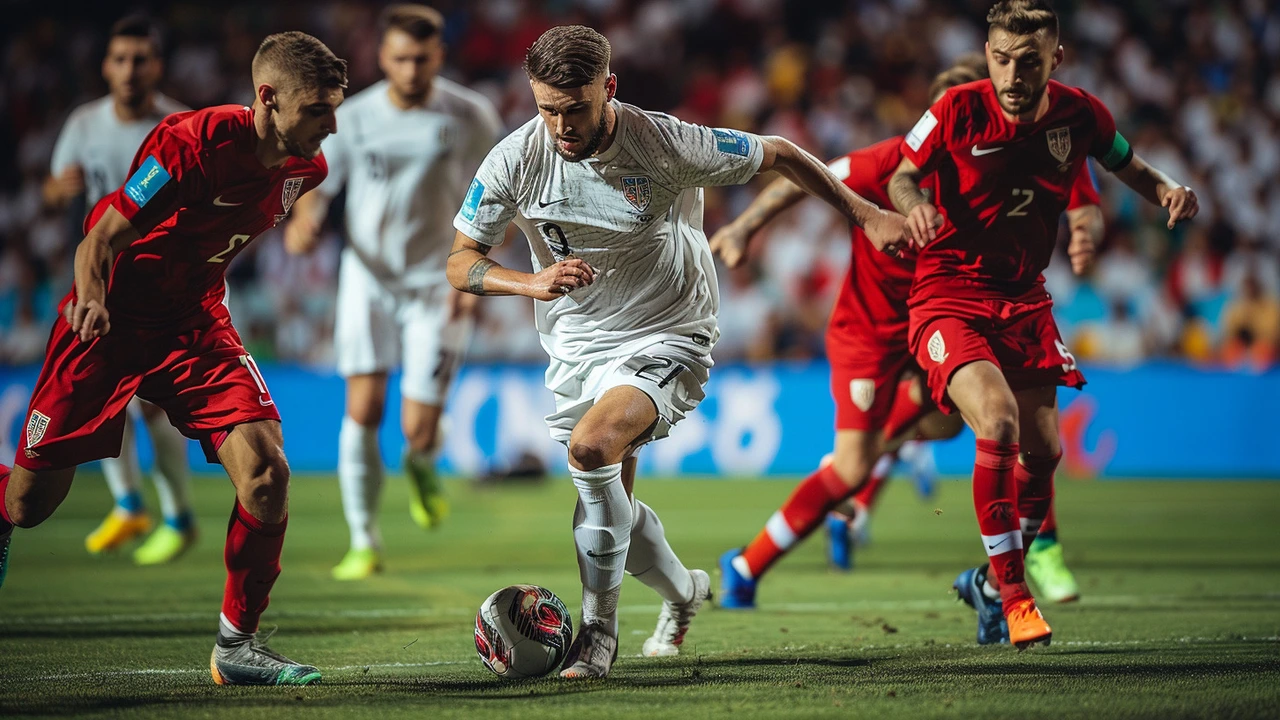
(927,141)
(1084,189)
(860,171)
(1105,129)
(167,174)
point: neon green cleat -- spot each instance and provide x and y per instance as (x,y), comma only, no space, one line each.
(164,545)
(1046,568)
(427,504)
(358,564)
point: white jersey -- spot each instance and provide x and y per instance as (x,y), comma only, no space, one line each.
(406,172)
(103,145)
(633,212)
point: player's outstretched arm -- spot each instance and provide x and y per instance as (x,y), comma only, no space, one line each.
(731,242)
(94,257)
(923,219)
(303,231)
(1160,189)
(886,230)
(469,270)
(1086,226)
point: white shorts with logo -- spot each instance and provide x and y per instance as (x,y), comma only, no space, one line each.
(671,373)
(379,329)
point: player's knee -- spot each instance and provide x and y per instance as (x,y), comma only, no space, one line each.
(851,468)
(421,433)
(28,513)
(588,454)
(998,421)
(270,481)
(367,413)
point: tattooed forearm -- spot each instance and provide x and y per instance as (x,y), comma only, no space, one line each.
(475,276)
(904,192)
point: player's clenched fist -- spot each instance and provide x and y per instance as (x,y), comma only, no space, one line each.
(561,279)
(923,221)
(1182,204)
(730,245)
(888,232)
(88,318)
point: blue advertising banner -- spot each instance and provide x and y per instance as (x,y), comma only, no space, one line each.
(1159,420)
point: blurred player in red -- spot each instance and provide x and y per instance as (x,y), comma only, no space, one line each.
(874,379)
(1001,155)
(146,317)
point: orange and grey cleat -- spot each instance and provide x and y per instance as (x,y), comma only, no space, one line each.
(1027,626)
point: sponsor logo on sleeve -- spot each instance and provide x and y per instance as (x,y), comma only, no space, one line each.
(924,126)
(638,191)
(146,181)
(732,142)
(471,205)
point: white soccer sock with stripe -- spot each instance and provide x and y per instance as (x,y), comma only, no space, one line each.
(651,559)
(171,476)
(602,534)
(360,477)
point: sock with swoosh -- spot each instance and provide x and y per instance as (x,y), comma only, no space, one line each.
(995,501)
(602,534)
(252,556)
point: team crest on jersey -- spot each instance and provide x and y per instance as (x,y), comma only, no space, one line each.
(937,348)
(863,393)
(36,425)
(638,191)
(1059,143)
(292,189)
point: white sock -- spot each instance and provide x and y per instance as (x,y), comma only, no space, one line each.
(360,477)
(171,476)
(123,473)
(651,559)
(602,534)
(231,632)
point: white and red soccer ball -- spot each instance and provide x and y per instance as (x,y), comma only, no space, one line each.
(523,631)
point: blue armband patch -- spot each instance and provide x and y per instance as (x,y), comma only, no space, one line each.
(730,142)
(472,204)
(147,181)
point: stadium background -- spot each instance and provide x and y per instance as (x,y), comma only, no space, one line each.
(1178,331)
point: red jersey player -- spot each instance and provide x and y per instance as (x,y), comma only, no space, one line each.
(873,375)
(1003,153)
(145,317)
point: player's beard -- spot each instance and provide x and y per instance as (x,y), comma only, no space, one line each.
(1030,99)
(293,147)
(593,142)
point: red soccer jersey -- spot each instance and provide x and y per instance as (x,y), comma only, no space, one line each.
(1000,186)
(198,195)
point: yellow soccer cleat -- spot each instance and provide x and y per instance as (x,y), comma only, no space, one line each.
(358,565)
(117,529)
(1027,626)
(164,545)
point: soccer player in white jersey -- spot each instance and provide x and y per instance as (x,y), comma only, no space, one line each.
(409,145)
(92,158)
(610,199)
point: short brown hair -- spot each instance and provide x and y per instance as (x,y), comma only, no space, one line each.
(568,56)
(139,26)
(1023,17)
(301,60)
(419,21)
(951,77)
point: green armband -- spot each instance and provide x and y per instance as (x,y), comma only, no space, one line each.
(1118,156)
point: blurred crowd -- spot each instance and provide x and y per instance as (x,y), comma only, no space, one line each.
(1194,84)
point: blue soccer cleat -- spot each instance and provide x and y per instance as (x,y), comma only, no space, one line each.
(737,592)
(839,543)
(918,457)
(992,629)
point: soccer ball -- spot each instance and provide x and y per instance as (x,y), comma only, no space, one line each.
(523,631)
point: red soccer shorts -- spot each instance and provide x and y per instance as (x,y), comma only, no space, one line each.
(1019,337)
(201,376)
(864,380)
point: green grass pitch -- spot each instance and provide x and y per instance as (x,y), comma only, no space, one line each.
(1180,615)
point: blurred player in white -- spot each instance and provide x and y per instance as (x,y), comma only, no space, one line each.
(610,199)
(409,145)
(92,158)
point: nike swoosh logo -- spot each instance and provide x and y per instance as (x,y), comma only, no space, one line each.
(553,202)
(993,547)
(218,201)
(615,553)
(988,151)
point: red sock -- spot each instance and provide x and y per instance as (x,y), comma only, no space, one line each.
(6,523)
(1050,524)
(994,500)
(252,556)
(904,412)
(809,503)
(870,491)
(1034,478)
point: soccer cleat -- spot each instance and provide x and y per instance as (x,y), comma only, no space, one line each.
(4,553)
(427,504)
(117,529)
(1049,572)
(591,655)
(1027,626)
(839,543)
(164,545)
(992,629)
(251,662)
(358,564)
(924,469)
(737,592)
(673,621)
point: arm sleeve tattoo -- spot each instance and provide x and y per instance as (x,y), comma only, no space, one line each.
(475,276)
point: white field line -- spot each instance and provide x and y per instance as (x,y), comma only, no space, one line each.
(15,621)
(107,674)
